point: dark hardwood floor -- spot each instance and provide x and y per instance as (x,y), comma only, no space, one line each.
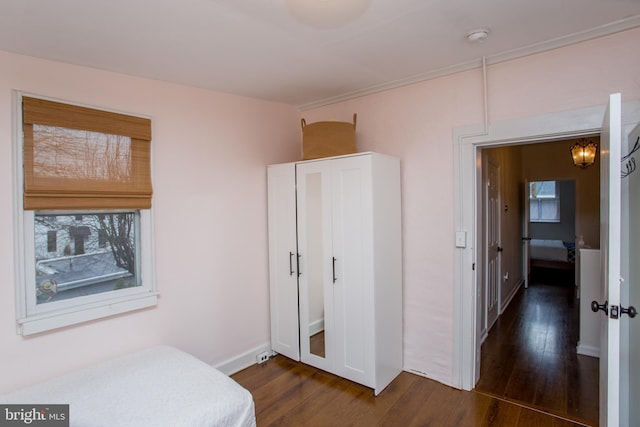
(530,354)
(288,393)
(531,376)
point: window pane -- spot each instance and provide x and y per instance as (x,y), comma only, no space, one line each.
(542,189)
(95,253)
(534,211)
(544,210)
(52,241)
(550,210)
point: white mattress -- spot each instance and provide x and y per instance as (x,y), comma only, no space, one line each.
(549,250)
(160,386)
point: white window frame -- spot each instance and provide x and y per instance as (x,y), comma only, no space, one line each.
(536,201)
(32,321)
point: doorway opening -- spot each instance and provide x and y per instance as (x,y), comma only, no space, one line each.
(468,260)
(528,354)
(468,143)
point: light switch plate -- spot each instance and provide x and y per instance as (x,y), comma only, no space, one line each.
(461,239)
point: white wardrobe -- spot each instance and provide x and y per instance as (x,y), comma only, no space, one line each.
(335,258)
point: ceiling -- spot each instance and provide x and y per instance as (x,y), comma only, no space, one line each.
(269,49)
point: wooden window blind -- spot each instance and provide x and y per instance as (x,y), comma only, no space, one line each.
(82,158)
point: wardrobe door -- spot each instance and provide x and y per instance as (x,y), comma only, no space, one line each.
(283,272)
(315,248)
(352,256)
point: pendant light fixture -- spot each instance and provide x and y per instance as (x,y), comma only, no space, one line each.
(583,153)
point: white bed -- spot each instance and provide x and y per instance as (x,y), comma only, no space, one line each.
(551,253)
(550,250)
(160,386)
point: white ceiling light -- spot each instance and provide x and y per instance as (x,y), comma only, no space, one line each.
(477,36)
(327,13)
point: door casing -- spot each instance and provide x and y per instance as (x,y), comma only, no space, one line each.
(468,142)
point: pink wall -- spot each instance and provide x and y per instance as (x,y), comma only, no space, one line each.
(416,123)
(210,152)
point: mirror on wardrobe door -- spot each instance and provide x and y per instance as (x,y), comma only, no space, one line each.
(315,271)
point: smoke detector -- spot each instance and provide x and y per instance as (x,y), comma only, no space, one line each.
(477,36)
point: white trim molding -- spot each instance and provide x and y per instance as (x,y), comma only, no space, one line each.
(559,42)
(588,350)
(244,360)
(30,319)
(468,142)
(511,295)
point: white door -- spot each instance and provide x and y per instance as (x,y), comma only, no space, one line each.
(283,273)
(632,330)
(315,248)
(526,239)
(610,219)
(331,235)
(353,304)
(493,249)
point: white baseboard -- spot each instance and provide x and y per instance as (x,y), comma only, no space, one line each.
(588,350)
(509,297)
(315,327)
(236,364)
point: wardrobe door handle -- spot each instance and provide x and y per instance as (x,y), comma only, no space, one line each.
(290,264)
(334,270)
(298,265)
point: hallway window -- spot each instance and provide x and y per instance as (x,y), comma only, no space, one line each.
(544,201)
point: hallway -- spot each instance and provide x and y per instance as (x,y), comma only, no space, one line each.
(530,355)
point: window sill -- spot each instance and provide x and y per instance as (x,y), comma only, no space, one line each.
(46,322)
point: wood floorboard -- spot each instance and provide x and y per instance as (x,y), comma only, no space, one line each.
(530,376)
(288,393)
(404,410)
(529,356)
